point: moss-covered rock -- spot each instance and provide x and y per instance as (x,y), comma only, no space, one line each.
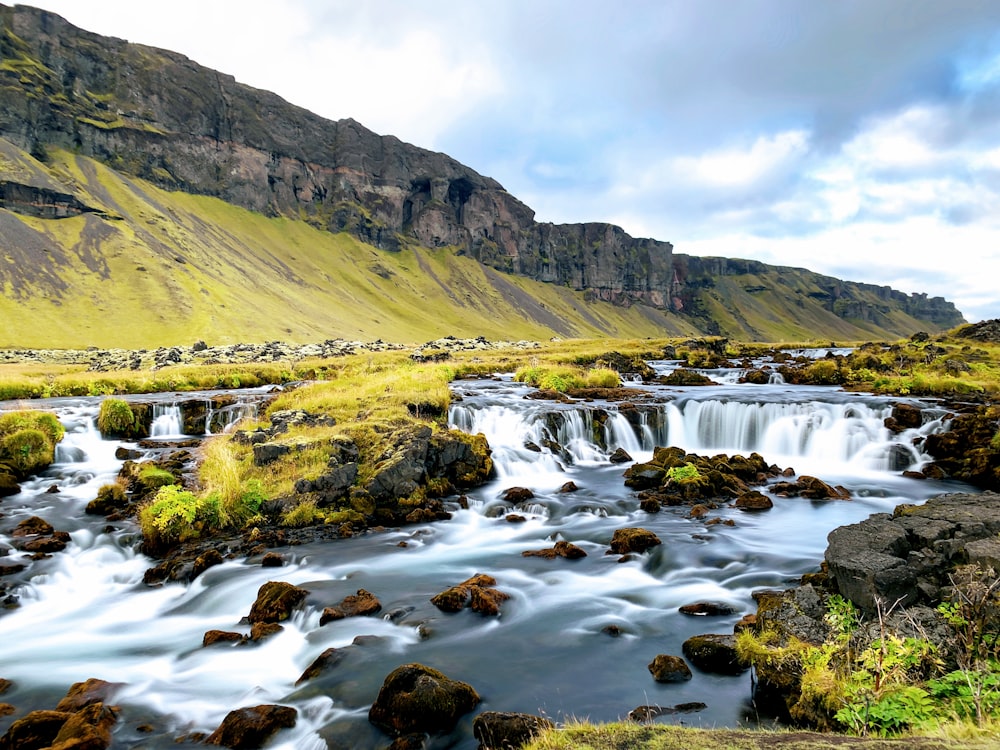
(416,698)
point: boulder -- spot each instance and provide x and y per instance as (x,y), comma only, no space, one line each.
(261,630)
(499,730)
(252,727)
(517,495)
(8,484)
(753,500)
(476,593)
(212,637)
(356,605)
(715,653)
(87,729)
(326,660)
(620,456)
(707,609)
(628,540)
(416,698)
(275,602)
(561,549)
(668,668)
(83,694)
(35,731)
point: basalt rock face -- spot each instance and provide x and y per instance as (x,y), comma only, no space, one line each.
(160,116)
(157,115)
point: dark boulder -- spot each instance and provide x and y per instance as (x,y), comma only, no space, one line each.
(476,593)
(252,727)
(707,609)
(356,605)
(212,637)
(561,549)
(325,661)
(753,500)
(415,698)
(517,495)
(498,730)
(275,602)
(668,668)
(35,731)
(620,456)
(714,653)
(628,540)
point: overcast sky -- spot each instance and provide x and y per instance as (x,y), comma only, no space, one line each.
(857,138)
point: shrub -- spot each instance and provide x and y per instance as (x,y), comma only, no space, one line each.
(116,418)
(26,451)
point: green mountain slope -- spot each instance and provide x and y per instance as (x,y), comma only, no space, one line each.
(162,268)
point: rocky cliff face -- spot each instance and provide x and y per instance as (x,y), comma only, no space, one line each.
(158,115)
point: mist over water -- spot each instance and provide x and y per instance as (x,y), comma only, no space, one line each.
(86,613)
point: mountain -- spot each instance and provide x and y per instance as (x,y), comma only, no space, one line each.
(143,195)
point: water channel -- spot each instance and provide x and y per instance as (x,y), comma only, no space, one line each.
(86,612)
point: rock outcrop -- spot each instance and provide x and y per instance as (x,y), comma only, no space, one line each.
(157,115)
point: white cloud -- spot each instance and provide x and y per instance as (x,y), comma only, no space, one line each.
(742,167)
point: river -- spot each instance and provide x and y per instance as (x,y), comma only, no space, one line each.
(86,612)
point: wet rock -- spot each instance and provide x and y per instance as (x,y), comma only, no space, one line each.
(110,499)
(668,668)
(363,603)
(714,653)
(8,569)
(645,714)
(33,526)
(811,488)
(904,417)
(628,540)
(517,495)
(8,485)
(87,729)
(707,609)
(83,694)
(569,487)
(476,593)
(416,698)
(252,727)
(272,560)
(205,561)
(561,549)
(514,518)
(261,630)
(620,456)
(212,637)
(330,658)
(753,500)
(498,730)
(36,731)
(275,602)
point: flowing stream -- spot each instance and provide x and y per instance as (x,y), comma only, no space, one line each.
(86,612)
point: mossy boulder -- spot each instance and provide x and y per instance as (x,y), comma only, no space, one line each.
(415,698)
(478,593)
(500,730)
(117,419)
(27,444)
(253,726)
(276,600)
(363,603)
(715,653)
(669,668)
(627,540)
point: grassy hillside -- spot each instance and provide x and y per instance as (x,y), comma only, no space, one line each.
(153,268)
(170,268)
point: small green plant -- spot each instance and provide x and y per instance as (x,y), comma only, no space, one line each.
(116,418)
(684,473)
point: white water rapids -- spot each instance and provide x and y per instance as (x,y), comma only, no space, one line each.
(86,613)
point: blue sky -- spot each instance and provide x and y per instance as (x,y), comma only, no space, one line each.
(855,138)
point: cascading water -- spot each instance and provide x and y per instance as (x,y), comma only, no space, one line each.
(167,421)
(86,613)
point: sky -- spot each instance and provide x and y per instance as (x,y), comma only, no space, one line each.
(856,138)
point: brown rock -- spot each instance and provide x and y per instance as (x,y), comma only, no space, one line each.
(82,694)
(35,731)
(498,730)
(261,630)
(477,593)
(275,602)
(667,668)
(753,500)
(561,549)
(415,698)
(517,494)
(357,605)
(628,540)
(569,487)
(212,637)
(707,609)
(87,729)
(620,456)
(33,526)
(272,560)
(251,727)
(714,652)
(326,660)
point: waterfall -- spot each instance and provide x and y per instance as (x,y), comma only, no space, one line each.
(167,421)
(224,418)
(834,433)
